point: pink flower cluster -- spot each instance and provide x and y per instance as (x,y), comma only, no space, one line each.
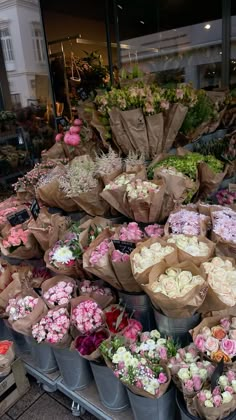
(224,224)
(99,252)
(131,233)
(88,286)
(87,317)
(226,197)
(154,230)
(16,237)
(219,341)
(52,327)
(60,294)
(71,137)
(186,222)
(133,329)
(118,256)
(223,393)
(20,308)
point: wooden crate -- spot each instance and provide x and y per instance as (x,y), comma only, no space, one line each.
(13,387)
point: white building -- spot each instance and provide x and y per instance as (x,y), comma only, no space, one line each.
(196,50)
(23,48)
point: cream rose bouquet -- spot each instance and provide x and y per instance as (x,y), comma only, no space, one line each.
(178,291)
(192,248)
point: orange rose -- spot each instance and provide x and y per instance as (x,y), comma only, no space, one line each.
(217,356)
(218,332)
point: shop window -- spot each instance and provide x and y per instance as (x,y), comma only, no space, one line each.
(7,45)
(38,43)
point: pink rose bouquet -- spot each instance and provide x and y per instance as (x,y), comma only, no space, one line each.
(87,287)
(60,294)
(191,378)
(52,328)
(87,316)
(100,251)
(118,256)
(20,308)
(17,237)
(154,231)
(131,233)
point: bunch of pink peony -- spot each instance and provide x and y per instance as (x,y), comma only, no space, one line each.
(118,256)
(99,252)
(154,230)
(88,286)
(60,294)
(53,327)
(87,316)
(71,137)
(20,308)
(219,341)
(16,237)
(223,393)
(131,233)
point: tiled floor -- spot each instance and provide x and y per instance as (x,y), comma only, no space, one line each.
(39,405)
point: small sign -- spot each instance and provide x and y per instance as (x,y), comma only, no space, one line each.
(232,187)
(216,374)
(35,209)
(124,246)
(18,218)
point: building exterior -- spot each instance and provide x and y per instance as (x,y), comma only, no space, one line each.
(23,49)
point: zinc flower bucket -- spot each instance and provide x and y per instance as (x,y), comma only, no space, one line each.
(178,328)
(75,370)
(112,392)
(162,408)
(20,341)
(185,415)
(139,304)
(43,357)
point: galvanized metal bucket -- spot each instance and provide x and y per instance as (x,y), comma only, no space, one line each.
(21,344)
(75,370)
(112,392)
(185,415)
(43,357)
(178,328)
(162,408)
(139,303)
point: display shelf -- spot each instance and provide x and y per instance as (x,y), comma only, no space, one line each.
(48,379)
(88,398)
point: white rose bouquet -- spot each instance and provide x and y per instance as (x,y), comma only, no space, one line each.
(196,249)
(178,290)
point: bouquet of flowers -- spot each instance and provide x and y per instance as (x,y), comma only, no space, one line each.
(226,198)
(216,338)
(58,291)
(20,308)
(187,222)
(130,232)
(86,315)
(184,357)
(53,328)
(96,291)
(116,318)
(221,278)
(190,379)
(154,231)
(88,345)
(149,253)
(18,242)
(178,290)
(153,348)
(197,249)
(91,229)
(224,231)
(108,166)
(5,274)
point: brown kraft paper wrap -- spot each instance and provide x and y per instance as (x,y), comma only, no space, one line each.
(91,202)
(5,275)
(47,284)
(51,195)
(75,302)
(209,180)
(155,131)
(56,152)
(125,276)
(91,223)
(135,127)
(173,122)
(24,252)
(13,289)
(103,269)
(119,133)
(172,258)
(47,228)
(24,325)
(106,178)
(95,355)
(197,260)
(179,307)
(148,210)
(223,247)
(63,270)
(214,413)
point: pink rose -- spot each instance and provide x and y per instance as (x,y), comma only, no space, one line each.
(230,375)
(200,342)
(212,344)
(216,391)
(225,322)
(229,389)
(206,332)
(163,353)
(217,400)
(229,347)
(188,385)
(201,396)
(162,378)
(197,383)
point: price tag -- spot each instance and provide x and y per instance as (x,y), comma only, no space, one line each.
(35,209)
(124,246)
(232,187)
(18,218)
(217,373)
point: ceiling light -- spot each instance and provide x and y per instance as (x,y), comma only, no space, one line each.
(141,21)
(220,52)
(207,26)
(120,7)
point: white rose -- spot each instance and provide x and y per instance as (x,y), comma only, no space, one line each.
(227,397)
(184,278)
(202,373)
(208,395)
(155,334)
(208,403)
(223,381)
(217,262)
(173,272)
(233,384)
(193,368)
(184,374)
(161,342)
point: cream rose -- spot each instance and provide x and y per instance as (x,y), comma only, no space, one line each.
(227,397)
(190,245)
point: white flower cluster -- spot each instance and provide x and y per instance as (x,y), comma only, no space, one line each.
(140,189)
(149,256)
(176,282)
(190,244)
(222,279)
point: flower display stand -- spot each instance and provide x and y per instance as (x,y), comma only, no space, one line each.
(153,409)
(139,304)
(112,392)
(75,370)
(178,328)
